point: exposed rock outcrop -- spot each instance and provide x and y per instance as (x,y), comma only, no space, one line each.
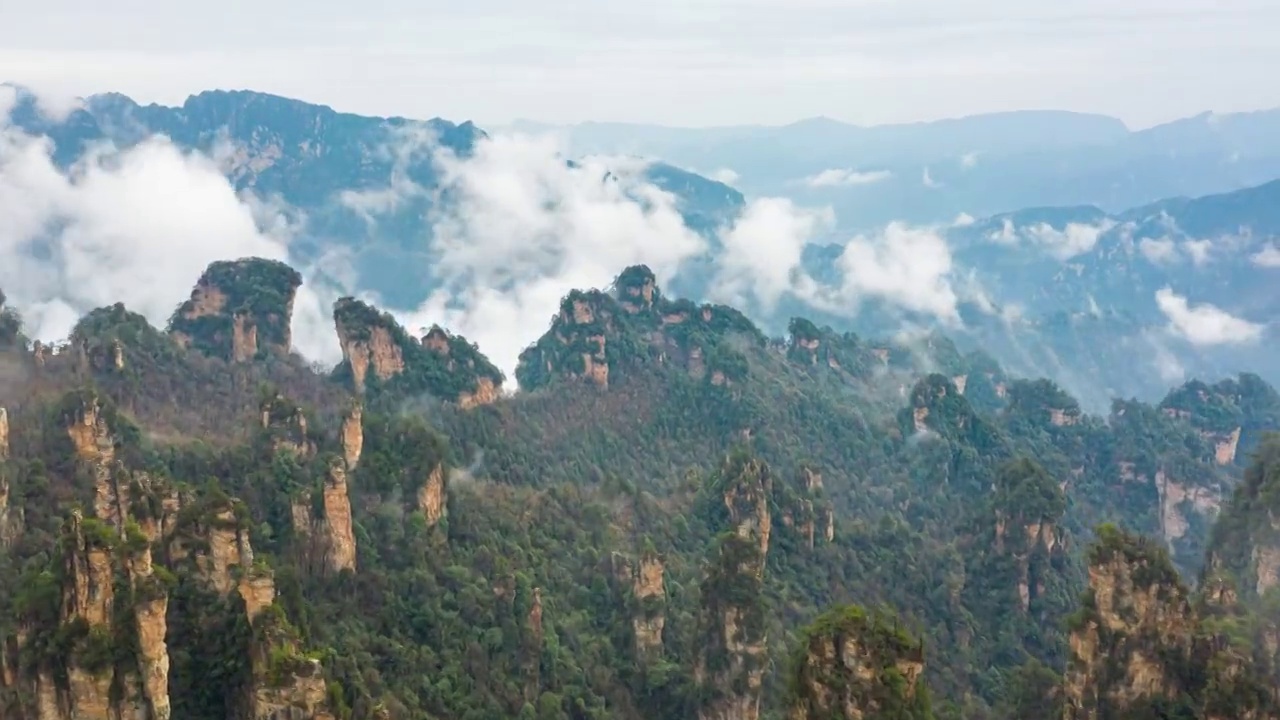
(8,516)
(432,499)
(598,334)
(1246,542)
(650,594)
(1140,648)
(375,348)
(285,424)
(746,486)
(1029,508)
(1224,445)
(731,665)
(1179,502)
(853,665)
(802,508)
(240,310)
(352,436)
(91,685)
(337,528)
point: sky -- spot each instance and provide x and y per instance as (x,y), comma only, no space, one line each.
(674,62)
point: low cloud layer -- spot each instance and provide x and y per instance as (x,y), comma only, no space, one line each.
(521,228)
(1205,324)
(844,177)
(908,267)
(1267,257)
(1062,243)
(526,227)
(136,226)
(762,252)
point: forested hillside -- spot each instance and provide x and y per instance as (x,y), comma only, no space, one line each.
(676,516)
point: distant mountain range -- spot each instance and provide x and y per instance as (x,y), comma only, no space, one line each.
(1080,268)
(979,165)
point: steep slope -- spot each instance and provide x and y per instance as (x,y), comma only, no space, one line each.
(367,187)
(642,532)
(1141,650)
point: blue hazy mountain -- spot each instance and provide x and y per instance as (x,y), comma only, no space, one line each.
(309,156)
(1085,221)
(981,165)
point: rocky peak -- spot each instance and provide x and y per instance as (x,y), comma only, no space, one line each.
(286,425)
(1231,416)
(88,430)
(597,334)
(240,310)
(853,665)
(650,593)
(801,508)
(1029,506)
(377,350)
(1140,648)
(745,484)
(1043,403)
(637,289)
(733,659)
(1246,537)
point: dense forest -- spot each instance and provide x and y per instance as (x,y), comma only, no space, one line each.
(675,517)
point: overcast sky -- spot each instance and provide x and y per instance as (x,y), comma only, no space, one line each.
(678,62)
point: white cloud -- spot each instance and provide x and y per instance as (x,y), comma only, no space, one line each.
(1267,257)
(136,226)
(725,175)
(969,160)
(408,144)
(1167,364)
(964,219)
(1198,250)
(762,251)
(838,177)
(928,180)
(1204,324)
(1162,250)
(8,100)
(908,267)
(1074,239)
(525,228)
(1006,235)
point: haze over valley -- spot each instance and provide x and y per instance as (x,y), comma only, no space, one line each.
(358,396)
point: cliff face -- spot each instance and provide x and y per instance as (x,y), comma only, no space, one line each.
(1231,416)
(376,349)
(432,497)
(651,594)
(9,520)
(239,310)
(853,665)
(597,335)
(338,530)
(1140,648)
(1029,507)
(285,683)
(352,436)
(99,649)
(731,666)
(802,509)
(1246,539)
